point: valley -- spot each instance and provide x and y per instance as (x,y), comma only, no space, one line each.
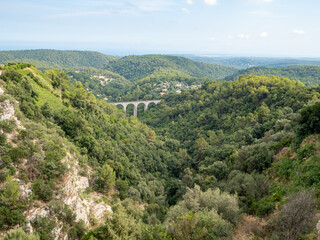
(222,153)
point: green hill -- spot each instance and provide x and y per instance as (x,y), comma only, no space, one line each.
(230,159)
(247,62)
(45,58)
(138,67)
(309,75)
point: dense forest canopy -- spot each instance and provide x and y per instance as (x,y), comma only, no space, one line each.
(229,159)
(247,62)
(137,67)
(309,75)
(47,58)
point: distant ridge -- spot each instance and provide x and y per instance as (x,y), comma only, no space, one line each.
(48,58)
(137,67)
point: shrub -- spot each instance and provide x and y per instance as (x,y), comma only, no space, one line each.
(44,226)
(42,191)
(296,217)
(19,234)
(7,125)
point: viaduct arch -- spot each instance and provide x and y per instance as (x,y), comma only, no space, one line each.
(135,105)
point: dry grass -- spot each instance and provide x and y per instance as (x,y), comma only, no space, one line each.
(249,227)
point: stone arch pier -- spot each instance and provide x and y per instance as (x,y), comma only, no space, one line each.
(135,105)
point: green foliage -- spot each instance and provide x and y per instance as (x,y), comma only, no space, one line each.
(309,75)
(11,193)
(119,226)
(19,234)
(309,121)
(7,125)
(296,217)
(45,58)
(42,190)
(256,157)
(137,67)
(43,227)
(77,230)
(248,187)
(195,200)
(106,179)
(203,225)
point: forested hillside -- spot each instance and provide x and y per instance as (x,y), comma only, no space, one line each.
(62,125)
(137,67)
(247,62)
(45,58)
(241,137)
(229,160)
(309,75)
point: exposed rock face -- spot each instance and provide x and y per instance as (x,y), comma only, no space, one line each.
(8,112)
(86,207)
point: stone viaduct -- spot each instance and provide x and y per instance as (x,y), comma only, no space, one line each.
(135,105)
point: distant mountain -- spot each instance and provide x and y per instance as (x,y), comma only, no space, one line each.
(45,58)
(247,62)
(309,75)
(138,67)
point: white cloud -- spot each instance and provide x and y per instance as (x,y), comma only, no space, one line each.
(230,37)
(190,2)
(261,13)
(264,35)
(150,6)
(212,39)
(185,10)
(211,2)
(298,31)
(243,36)
(259,1)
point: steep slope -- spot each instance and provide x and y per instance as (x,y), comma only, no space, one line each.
(137,67)
(66,153)
(45,58)
(309,75)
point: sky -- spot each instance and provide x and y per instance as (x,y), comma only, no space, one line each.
(265,28)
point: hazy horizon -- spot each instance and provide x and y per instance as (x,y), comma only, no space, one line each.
(241,28)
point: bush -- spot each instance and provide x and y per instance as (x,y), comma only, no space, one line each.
(44,226)
(202,225)
(42,190)
(19,234)
(10,217)
(7,125)
(296,217)
(77,230)
(309,121)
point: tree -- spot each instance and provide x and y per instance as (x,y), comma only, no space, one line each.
(107,178)
(296,217)
(19,234)
(11,193)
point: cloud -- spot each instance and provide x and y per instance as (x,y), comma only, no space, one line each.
(211,2)
(82,14)
(112,7)
(261,13)
(259,1)
(264,35)
(190,2)
(212,39)
(150,6)
(298,31)
(230,37)
(185,10)
(243,36)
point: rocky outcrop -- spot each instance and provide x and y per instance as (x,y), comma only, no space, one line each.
(85,206)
